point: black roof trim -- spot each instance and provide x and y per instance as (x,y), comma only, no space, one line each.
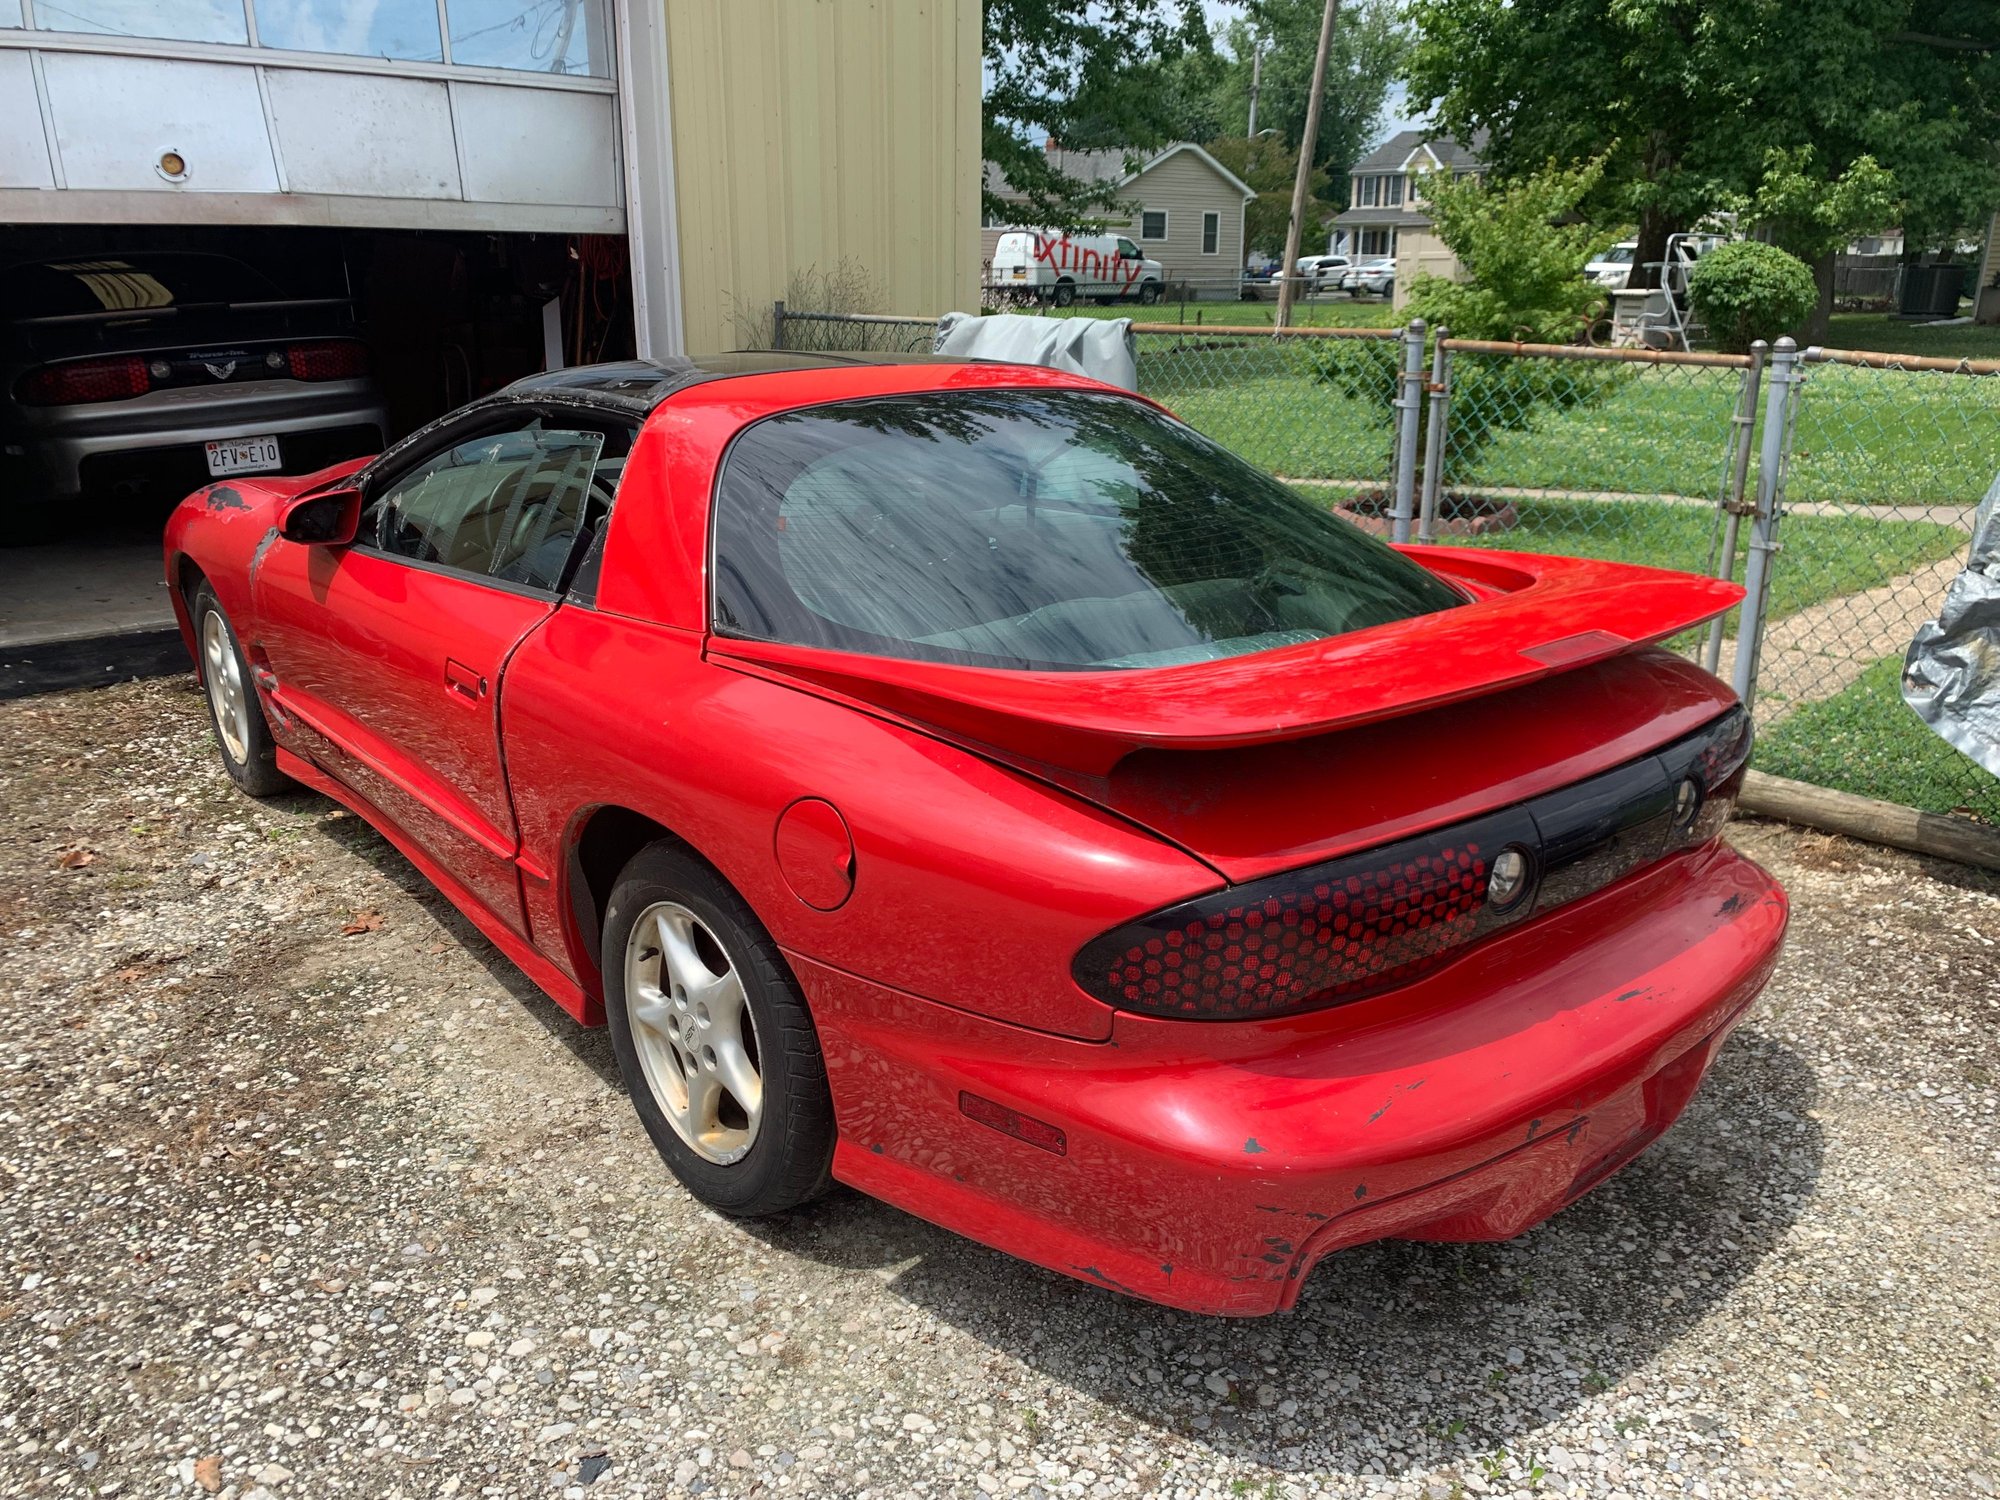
(635,386)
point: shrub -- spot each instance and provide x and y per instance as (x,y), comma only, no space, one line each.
(1523,247)
(1748,291)
(1490,394)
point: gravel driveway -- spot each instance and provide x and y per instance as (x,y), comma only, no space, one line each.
(308,1193)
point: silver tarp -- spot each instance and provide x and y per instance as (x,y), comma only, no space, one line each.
(1102,348)
(1951,676)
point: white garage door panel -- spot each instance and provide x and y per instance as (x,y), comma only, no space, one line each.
(24,153)
(362,136)
(537,145)
(115,115)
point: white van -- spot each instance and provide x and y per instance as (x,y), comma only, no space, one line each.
(1059,268)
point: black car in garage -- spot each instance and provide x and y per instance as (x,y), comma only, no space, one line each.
(160,371)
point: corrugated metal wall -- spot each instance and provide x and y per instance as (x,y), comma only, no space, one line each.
(812,132)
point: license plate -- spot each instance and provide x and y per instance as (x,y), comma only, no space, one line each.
(251,455)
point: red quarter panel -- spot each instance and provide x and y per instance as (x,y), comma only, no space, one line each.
(973,885)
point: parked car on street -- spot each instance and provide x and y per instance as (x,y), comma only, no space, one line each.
(160,370)
(965,782)
(1322,272)
(1059,268)
(1374,278)
(1612,268)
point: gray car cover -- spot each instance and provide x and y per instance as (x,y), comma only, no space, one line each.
(1102,348)
(1951,676)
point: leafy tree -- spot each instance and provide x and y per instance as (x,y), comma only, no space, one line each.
(1092,74)
(1269,166)
(1689,98)
(1523,248)
(1370,43)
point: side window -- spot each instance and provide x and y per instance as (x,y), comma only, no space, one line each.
(511,506)
(1127,249)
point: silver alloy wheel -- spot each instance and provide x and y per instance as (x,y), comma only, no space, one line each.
(226,692)
(693,1031)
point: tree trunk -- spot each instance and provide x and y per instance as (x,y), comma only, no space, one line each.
(1654,228)
(1820,321)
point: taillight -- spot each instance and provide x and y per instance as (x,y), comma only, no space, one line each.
(1357,926)
(336,359)
(85,380)
(1322,936)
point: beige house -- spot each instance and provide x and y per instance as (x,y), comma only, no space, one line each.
(1385,210)
(1181,206)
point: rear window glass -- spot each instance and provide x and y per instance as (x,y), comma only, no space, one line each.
(136,283)
(1033,529)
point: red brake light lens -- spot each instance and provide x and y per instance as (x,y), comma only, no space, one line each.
(1322,936)
(1342,931)
(337,359)
(81,381)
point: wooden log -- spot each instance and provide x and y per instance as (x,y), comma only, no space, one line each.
(1865,818)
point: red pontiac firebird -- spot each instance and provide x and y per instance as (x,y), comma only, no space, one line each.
(966,782)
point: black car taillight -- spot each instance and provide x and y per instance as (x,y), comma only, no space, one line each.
(1357,926)
(82,381)
(335,359)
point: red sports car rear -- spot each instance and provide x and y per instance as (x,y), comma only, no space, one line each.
(968,783)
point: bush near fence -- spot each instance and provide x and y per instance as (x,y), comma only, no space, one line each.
(1629,458)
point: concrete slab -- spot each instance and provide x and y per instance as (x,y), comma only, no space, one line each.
(74,591)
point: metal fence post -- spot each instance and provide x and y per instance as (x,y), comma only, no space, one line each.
(1409,418)
(778,324)
(1434,436)
(1778,408)
(1742,439)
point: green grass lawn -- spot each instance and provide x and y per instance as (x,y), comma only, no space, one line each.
(1331,310)
(1892,335)
(1865,437)
(1823,557)
(1865,739)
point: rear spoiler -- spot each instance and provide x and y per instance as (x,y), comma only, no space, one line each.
(1534,616)
(175,309)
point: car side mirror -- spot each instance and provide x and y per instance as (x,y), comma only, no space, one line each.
(325,518)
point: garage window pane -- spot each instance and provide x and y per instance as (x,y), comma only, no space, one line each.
(402,29)
(546,36)
(177,20)
(10,13)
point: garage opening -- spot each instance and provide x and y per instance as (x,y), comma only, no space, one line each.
(138,363)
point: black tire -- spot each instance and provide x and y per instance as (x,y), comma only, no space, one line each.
(790,1159)
(254,765)
(1149,293)
(1065,293)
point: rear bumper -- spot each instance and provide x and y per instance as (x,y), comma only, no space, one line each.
(68,446)
(1210,1166)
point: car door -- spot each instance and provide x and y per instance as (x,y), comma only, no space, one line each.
(390,651)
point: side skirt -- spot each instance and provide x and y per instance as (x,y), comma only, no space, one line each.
(559,987)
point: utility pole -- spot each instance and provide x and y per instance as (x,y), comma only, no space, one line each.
(1289,271)
(1256,79)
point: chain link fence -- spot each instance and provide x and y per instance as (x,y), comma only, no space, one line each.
(1889,458)
(1840,487)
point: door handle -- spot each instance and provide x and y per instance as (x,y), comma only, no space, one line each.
(461,679)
